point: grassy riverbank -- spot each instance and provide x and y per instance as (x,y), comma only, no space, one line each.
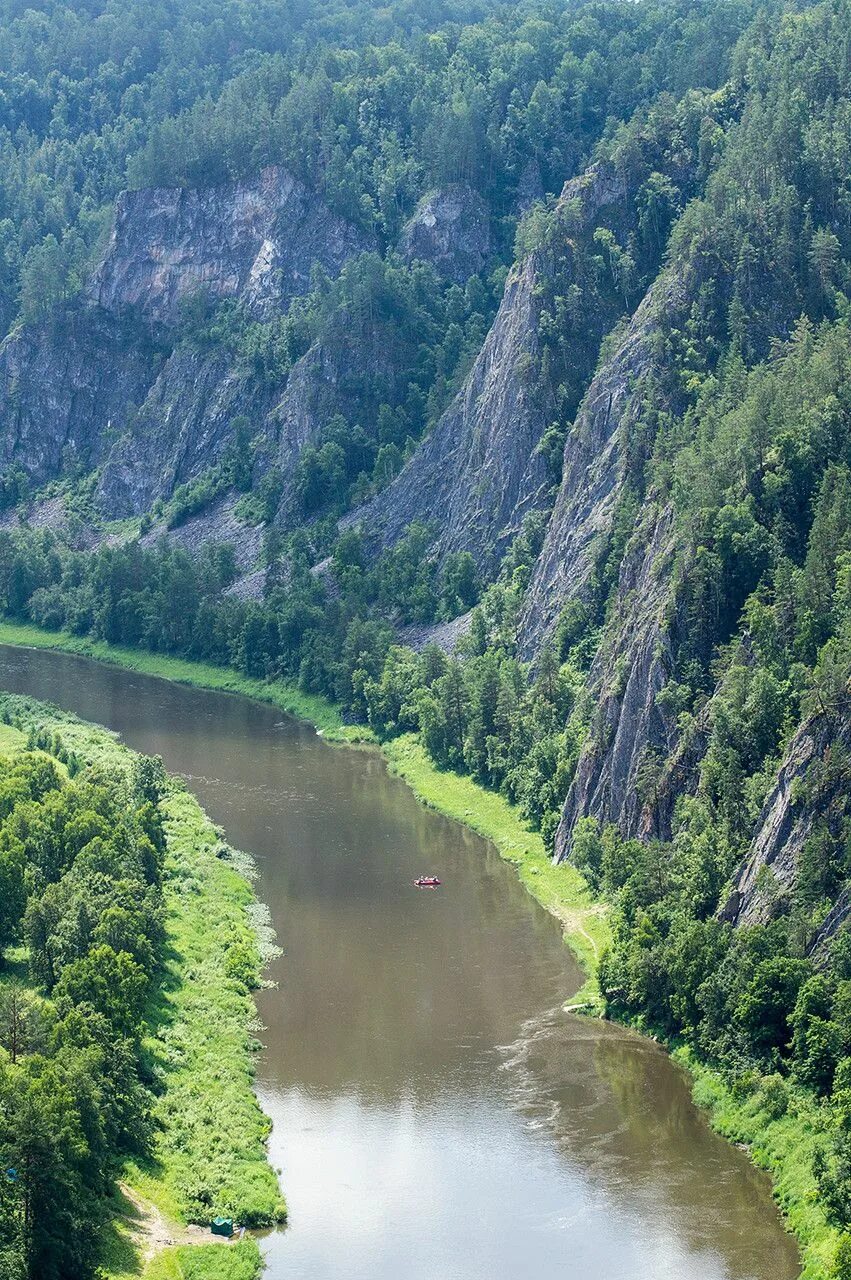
(208,1153)
(781,1125)
(288,697)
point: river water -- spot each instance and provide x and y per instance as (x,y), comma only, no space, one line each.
(437,1116)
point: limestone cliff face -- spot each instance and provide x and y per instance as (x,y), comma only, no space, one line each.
(811,790)
(593,470)
(182,427)
(480,471)
(629,730)
(350,372)
(477,473)
(255,240)
(95,386)
(450,229)
(66,391)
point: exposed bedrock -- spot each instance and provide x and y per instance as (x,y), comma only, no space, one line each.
(255,240)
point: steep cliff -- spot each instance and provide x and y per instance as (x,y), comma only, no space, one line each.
(629,731)
(477,472)
(256,241)
(67,389)
(594,469)
(810,794)
(450,229)
(480,470)
(354,368)
(182,427)
(99,385)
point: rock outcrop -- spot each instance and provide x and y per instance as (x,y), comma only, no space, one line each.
(811,789)
(66,391)
(100,385)
(480,471)
(350,372)
(255,240)
(630,733)
(183,427)
(593,471)
(477,473)
(450,229)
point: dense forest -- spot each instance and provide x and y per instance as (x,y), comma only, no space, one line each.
(649,650)
(80,886)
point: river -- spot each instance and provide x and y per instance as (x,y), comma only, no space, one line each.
(437,1116)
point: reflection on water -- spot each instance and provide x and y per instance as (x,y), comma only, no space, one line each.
(436,1113)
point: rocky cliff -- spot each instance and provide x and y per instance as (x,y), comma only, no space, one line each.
(810,794)
(480,470)
(100,385)
(477,473)
(594,469)
(66,390)
(629,733)
(257,241)
(450,229)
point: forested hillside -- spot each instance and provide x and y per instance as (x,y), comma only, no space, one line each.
(487,371)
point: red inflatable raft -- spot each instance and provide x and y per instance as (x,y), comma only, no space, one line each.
(426,882)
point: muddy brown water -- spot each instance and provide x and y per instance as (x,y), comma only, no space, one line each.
(437,1116)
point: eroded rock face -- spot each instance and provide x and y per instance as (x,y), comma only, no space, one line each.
(218,524)
(66,390)
(255,240)
(94,387)
(450,229)
(477,473)
(183,427)
(629,727)
(593,472)
(350,372)
(793,808)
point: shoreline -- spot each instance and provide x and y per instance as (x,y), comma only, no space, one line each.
(773,1145)
(561,890)
(197,1039)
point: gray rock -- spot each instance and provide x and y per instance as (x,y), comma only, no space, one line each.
(629,728)
(66,390)
(477,473)
(183,427)
(216,525)
(593,472)
(787,820)
(450,229)
(256,240)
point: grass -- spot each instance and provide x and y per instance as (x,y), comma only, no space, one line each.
(282,694)
(210,1150)
(209,1153)
(560,889)
(207,1262)
(11,740)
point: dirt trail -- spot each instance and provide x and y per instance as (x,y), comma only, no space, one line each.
(152,1232)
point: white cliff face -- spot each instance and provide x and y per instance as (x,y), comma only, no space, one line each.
(256,240)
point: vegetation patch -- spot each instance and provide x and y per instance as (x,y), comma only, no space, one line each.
(129,952)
